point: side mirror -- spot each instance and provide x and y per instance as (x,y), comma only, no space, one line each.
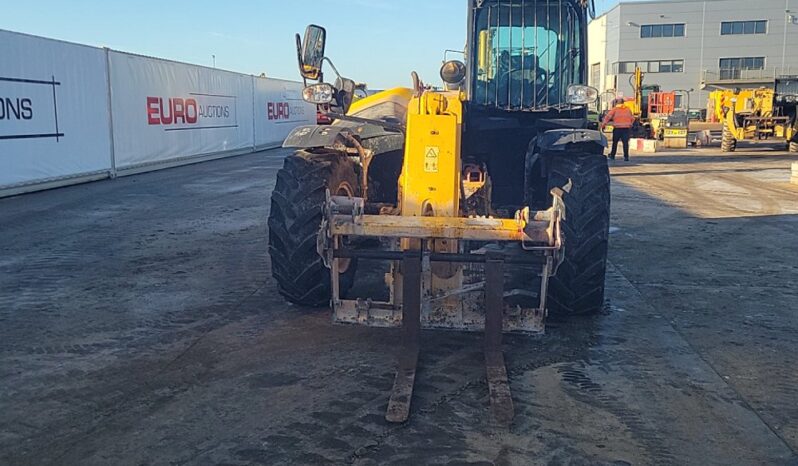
(310,52)
(590,5)
(453,72)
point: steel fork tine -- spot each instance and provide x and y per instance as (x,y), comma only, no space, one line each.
(399,404)
(501,400)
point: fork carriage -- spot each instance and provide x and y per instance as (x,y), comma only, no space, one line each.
(456,296)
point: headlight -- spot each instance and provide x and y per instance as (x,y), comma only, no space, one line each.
(581,95)
(318,94)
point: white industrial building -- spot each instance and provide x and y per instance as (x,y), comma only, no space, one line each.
(694,45)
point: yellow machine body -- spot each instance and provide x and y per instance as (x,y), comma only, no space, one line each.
(758,101)
(429,218)
(429,185)
(635,104)
(467,221)
(391,101)
(430,180)
(750,114)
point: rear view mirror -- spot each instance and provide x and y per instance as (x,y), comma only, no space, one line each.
(453,72)
(590,6)
(311,52)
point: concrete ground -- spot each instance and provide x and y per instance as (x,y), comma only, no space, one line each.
(139,325)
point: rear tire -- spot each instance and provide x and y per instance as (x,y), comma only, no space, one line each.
(727,142)
(578,286)
(297,206)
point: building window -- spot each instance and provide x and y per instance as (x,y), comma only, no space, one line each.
(655,66)
(661,30)
(733,68)
(730,28)
(595,75)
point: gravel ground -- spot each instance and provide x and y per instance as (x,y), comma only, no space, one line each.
(139,325)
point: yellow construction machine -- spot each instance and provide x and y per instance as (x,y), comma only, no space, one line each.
(758,115)
(638,104)
(488,202)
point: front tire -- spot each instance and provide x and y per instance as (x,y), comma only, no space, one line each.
(727,142)
(578,286)
(295,217)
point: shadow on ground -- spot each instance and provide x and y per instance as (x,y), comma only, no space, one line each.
(139,324)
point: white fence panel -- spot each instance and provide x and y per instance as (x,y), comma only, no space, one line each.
(71,113)
(165,110)
(279,108)
(53,111)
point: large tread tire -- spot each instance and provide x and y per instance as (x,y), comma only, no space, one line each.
(727,142)
(793,147)
(578,286)
(294,221)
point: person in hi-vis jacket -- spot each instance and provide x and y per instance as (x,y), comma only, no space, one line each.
(622,120)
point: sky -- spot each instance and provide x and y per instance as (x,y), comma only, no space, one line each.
(378,42)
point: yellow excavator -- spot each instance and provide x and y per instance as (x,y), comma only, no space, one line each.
(488,201)
(637,104)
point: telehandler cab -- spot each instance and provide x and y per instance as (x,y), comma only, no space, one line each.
(489,200)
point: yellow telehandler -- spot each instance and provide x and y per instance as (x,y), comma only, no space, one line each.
(488,201)
(760,115)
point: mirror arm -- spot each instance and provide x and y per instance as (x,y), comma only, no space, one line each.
(300,59)
(447,51)
(332,65)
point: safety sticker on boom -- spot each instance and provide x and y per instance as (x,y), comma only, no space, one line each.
(431,154)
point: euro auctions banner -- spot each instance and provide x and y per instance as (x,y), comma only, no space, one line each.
(53,110)
(16,112)
(197,111)
(164,110)
(279,108)
(61,123)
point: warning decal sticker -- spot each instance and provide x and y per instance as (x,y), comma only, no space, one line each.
(431,154)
